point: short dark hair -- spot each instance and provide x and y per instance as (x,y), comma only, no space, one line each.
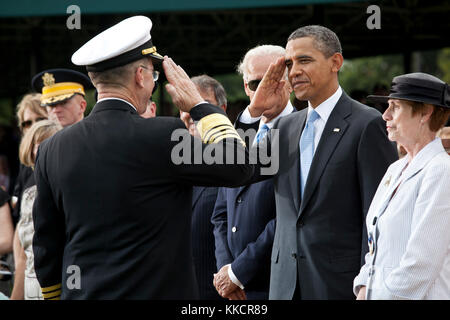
(325,40)
(205,82)
(438,118)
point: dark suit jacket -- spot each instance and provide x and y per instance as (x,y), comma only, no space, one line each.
(244,220)
(320,240)
(244,227)
(203,200)
(112,202)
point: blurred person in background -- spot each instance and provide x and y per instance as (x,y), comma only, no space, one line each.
(63,94)
(204,198)
(26,285)
(29,111)
(150,112)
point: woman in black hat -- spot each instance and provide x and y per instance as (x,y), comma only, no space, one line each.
(408,221)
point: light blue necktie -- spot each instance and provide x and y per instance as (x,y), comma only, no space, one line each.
(307,149)
(262,132)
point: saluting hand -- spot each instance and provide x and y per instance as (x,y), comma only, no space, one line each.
(182,90)
(272,91)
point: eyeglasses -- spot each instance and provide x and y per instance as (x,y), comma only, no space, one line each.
(155,74)
(253,84)
(28,123)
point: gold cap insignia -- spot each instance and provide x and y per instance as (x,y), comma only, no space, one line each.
(48,79)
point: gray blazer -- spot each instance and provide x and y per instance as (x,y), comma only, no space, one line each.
(320,241)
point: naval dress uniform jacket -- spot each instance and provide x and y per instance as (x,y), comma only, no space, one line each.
(203,201)
(113,204)
(320,240)
(410,256)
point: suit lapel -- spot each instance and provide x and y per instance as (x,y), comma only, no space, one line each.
(293,142)
(327,144)
(196,193)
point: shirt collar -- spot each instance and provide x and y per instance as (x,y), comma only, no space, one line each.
(287,110)
(325,108)
(112,98)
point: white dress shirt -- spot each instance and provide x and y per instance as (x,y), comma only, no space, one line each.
(324,110)
(248,119)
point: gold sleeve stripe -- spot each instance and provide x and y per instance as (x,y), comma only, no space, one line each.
(214,129)
(227,134)
(234,136)
(56,298)
(211,121)
(51,288)
(216,134)
(53,294)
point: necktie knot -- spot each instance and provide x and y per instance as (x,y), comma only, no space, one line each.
(313,116)
(262,132)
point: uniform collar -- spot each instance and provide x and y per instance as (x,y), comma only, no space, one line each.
(113,103)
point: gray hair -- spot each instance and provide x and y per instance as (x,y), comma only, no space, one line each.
(206,83)
(258,51)
(118,76)
(325,40)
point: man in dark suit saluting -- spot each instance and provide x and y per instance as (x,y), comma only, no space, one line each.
(112,214)
(332,157)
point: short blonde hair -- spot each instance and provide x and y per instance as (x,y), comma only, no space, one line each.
(36,134)
(33,102)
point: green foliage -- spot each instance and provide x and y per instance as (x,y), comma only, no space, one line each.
(443,62)
(365,73)
(7,112)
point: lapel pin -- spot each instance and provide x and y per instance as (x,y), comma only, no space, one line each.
(388,181)
(336,130)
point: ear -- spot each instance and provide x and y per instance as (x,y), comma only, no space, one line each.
(139,77)
(83,105)
(224,107)
(427,112)
(336,62)
(153,107)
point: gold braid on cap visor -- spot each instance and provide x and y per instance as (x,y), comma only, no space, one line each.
(151,50)
(60,91)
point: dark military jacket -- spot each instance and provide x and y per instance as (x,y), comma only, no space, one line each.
(112,214)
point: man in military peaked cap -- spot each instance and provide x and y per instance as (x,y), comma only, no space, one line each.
(63,93)
(112,214)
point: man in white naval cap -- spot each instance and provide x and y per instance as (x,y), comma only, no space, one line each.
(112,215)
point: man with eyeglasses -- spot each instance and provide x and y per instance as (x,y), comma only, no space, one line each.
(112,215)
(244,217)
(63,92)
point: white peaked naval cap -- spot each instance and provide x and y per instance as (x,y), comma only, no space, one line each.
(125,42)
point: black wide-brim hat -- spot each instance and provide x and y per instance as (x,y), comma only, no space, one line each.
(59,85)
(417,87)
